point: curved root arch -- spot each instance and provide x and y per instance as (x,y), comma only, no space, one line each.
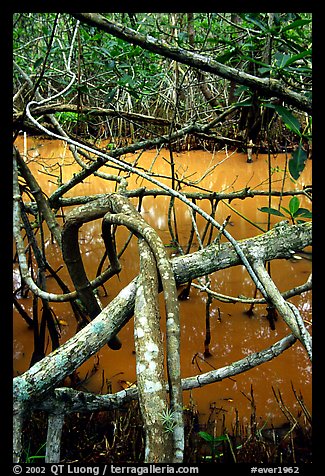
(162,424)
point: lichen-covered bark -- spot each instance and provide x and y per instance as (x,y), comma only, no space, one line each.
(150,360)
(40,379)
(78,401)
(19,413)
(53,440)
(35,385)
(128,216)
(275,244)
(46,374)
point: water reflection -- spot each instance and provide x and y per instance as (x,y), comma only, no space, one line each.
(234,334)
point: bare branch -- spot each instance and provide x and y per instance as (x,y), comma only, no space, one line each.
(77,401)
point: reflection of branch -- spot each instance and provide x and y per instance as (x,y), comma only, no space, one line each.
(103,158)
(36,191)
(243,216)
(51,370)
(196,264)
(72,256)
(26,276)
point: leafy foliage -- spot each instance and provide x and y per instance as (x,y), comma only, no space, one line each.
(297,162)
(107,62)
(168,420)
(296,213)
(112,73)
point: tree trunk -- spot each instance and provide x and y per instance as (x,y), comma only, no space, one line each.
(150,360)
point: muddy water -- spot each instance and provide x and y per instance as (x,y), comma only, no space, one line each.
(234,334)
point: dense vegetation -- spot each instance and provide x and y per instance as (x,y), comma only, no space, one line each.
(111,73)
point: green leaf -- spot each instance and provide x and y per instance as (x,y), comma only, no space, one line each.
(288,118)
(294,58)
(182,36)
(241,89)
(303,212)
(83,88)
(296,24)
(271,211)
(281,59)
(294,205)
(110,95)
(212,439)
(286,210)
(220,438)
(297,162)
(110,64)
(225,56)
(252,18)
(38,62)
(264,69)
(206,436)
(246,103)
(125,80)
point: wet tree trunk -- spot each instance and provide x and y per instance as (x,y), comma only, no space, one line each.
(73,260)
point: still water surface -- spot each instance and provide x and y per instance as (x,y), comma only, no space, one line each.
(234,334)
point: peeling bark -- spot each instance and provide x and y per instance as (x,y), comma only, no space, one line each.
(78,401)
(35,385)
(50,371)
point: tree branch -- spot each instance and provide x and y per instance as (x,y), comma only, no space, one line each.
(266,86)
(96,111)
(287,310)
(78,401)
(40,379)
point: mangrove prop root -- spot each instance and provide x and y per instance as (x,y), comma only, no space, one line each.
(125,214)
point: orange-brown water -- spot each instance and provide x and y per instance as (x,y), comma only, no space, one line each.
(233,333)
